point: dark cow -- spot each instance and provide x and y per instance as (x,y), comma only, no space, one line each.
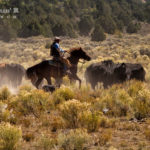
(110,73)
(135,71)
(11,74)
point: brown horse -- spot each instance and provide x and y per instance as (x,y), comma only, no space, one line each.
(47,69)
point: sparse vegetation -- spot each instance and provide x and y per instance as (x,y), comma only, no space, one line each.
(104,137)
(147,133)
(34,102)
(46,143)
(73,118)
(71,111)
(61,95)
(10,136)
(4,94)
(75,139)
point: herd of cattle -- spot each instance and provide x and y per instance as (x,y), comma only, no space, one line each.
(106,72)
(110,73)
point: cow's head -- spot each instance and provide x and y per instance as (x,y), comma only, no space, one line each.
(120,72)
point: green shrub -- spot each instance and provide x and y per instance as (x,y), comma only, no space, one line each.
(73,140)
(71,111)
(62,94)
(10,137)
(25,88)
(6,115)
(133,27)
(46,143)
(98,34)
(91,120)
(5,94)
(84,94)
(134,87)
(141,104)
(131,101)
(104,137)
(34,102)
(53,121)
(56,122)
(107,122)
(114,101)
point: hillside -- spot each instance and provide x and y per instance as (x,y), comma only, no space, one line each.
(71,17)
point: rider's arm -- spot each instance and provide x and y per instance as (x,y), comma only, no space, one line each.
(58,48)
(61,50)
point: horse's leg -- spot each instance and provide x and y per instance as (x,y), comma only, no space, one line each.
(75,77)
(58,82)
(49,80)
(38,83)
(93,85)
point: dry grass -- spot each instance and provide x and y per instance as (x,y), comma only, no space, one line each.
(116,118)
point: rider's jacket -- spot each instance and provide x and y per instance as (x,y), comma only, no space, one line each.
(55,50)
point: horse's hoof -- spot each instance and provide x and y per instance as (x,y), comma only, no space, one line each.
(49,88)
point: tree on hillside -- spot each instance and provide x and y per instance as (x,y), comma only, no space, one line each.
(133,27)
(147,11)
(68,17)
(7,30)
(98,34)
(107,24)
(85,25)
(102,7)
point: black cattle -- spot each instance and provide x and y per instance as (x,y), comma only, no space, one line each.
(135,71)
(11,74)
(110,73)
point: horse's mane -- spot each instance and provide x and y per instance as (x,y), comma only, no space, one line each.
(74,49)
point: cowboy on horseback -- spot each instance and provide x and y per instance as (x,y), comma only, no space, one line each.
(58,54)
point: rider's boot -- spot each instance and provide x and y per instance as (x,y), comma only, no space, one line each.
(66,71)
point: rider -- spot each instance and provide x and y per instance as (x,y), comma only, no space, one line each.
(58,54)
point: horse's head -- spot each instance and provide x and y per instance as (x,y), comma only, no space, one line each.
(80,53)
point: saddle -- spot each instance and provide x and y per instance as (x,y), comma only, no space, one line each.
(59,62)
(56,63)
